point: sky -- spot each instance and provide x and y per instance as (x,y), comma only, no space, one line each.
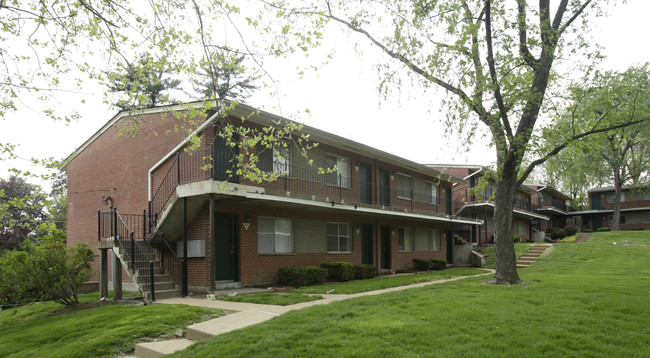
(341,97)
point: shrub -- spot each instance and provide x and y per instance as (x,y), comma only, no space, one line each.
(298,276)
(516,238)
(638,229)
(571,238)
(558,234)
(422,264)
(587,230)
(605,228)
(362,272)
(438,264)
(45,270)
(339,270)
(570,230)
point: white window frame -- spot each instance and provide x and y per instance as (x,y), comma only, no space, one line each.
(647,216)
(343,172)
(610,197)
(282,159)
(400,191)
(432,196)
(404,241)
(432,239)
(340,234)
(275,236)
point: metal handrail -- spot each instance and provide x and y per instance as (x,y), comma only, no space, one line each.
(169,260)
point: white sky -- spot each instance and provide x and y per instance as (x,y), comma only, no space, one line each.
(342,98)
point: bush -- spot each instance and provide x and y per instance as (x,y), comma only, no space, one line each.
(45,270)
(558,234)
(637,229)
(571,238)
(516,238)
(297,276)
(362,272)
(586,229)
(339,270)
(438,264)
(606,228)
(422,264)
(570,230)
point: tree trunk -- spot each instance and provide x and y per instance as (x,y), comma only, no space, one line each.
(506,262)
(618,186)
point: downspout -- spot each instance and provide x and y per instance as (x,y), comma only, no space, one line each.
(176,149)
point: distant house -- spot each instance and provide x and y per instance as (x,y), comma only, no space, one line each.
(212,228)
(479,204)
(551,203)
(635,208)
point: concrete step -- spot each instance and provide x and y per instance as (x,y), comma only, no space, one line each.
(162,294)
(159,349)
(226,285)
(525,260)
(208,329)
(522,266)
(160,286)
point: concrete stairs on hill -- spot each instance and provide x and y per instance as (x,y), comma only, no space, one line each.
(583,237)
(164,287)
(535,251)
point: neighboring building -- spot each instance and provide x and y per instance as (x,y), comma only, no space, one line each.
(551,203)
(480,205)
(376,208)
(635,208)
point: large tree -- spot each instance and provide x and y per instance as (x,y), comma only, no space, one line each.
(21,211)
(496,59)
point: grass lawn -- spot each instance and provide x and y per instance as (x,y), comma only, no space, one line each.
(520,249)
(278,299)
(379,283)
(583,300)
(49,329)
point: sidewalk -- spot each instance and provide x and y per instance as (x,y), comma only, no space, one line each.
(241,314)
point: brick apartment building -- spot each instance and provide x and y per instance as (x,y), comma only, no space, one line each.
(635,209)
(193,209)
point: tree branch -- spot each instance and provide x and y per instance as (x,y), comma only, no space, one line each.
(523,35)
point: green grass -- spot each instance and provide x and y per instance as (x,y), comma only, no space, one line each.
(278,299)
(379,283)
(490,261)
(49,329)
(583,300)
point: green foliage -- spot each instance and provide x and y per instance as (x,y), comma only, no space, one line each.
(21,211)
(45,270)
(604,229)
(422,264)
(338,270)
(558,234)
(516,238)
(586,229)
(365,271)
(438,264)
(569,239)
(298,276)
(571,230)
(223,75)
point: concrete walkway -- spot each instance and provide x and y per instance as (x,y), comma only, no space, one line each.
(241,314)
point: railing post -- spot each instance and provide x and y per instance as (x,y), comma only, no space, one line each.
(144,225)
(150,215)
(178,169)
(412,199)
(340,186)
(286,176)
(114,224)
(151,278)
(132,251)
(99,225)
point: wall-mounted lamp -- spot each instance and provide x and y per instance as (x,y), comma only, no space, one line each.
(358,229)
(393,230)
(357,166)
(392,176)
(247,222)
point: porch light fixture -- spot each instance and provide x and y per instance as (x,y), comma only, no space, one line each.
(247,222)
(356,166)
(393,230)
(358,229)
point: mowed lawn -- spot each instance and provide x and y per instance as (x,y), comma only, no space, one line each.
(583,300)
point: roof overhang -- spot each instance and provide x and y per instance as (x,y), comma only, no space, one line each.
(514,210)
(606,211)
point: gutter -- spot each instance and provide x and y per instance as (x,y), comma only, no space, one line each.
(176,149)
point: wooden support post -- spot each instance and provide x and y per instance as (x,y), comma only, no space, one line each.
(103,274)
(117,277)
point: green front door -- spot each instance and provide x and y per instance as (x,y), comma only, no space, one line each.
(225,247)
(366,244)
(384,234)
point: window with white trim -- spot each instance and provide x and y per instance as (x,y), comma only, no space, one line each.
(432,193)
(406,239)
(340,176)
(610,219)
(338,237)
(433,237)
(610,197)
(274,235)
(647,216)
(404,187)
(276,159)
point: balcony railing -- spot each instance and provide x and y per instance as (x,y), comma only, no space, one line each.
(486,197)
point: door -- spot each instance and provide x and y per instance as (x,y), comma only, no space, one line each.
(384,234)
(595,202)
(224,158)
(225,247)
(384,187)
(366,183)
(366,244)
(450,248)
(448,206)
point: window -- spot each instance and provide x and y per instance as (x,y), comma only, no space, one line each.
(404,187)
(519,228)
(610,197)
(341,176)
(646,195)
(338,237)
(434,239)
(610,219)
(406,240)
(647,216)
(274,236)
(432,197)
(276,159)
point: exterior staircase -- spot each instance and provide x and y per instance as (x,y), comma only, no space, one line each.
(535,251)
(583,237)
(164,287)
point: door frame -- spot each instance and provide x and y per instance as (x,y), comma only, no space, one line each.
(234,229)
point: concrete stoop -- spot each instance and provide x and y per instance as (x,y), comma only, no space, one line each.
(531,255)
(583,237)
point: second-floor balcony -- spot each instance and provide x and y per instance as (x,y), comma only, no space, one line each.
(283,178)
(487,196)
